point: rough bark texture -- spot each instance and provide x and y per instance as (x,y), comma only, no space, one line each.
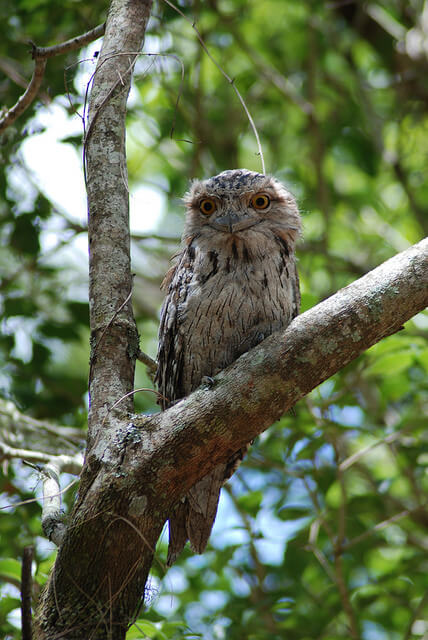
(75,606)
(102,567)
(114,337)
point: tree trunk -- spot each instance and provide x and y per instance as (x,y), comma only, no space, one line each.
(95,607)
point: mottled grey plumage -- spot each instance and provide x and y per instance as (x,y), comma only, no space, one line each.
(234,283)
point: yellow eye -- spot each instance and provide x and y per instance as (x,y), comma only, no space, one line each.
(207,206)
(260,201)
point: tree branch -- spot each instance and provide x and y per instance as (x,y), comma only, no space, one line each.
(27,97)
(114,336)
(52,518)
(152,461)
(69,45)
(18,430)
(40,56)
(151,364)
(67,464)
(264,383)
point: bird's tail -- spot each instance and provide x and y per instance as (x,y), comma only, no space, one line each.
(193,517)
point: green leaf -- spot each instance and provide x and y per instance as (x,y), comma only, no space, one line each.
(422,357)
(145,629)
(10,571)
(25,236)
(20,307)
(251,502)
(391,363)
(290,512)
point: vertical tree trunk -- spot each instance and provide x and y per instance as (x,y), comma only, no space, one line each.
(114,337)
(87,596)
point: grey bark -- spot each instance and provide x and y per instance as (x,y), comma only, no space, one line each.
(67,607)
(114,337)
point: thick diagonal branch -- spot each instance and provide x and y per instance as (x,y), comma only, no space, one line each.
(152,461)
(204,429)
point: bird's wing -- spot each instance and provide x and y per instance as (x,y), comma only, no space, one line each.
(171,343)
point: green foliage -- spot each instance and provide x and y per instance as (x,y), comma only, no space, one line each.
(322,532)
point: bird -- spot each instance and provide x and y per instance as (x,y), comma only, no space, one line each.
(233,283)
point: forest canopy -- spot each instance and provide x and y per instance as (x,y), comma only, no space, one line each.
(322,531)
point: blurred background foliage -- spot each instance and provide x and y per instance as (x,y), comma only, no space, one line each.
(322,532)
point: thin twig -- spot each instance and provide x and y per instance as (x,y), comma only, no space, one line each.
(9,69)
(382,525)
(136,54)
(343,503)
(150,363)
(40,56)
(312,546)
(419,611)
(155,236)
(362,452)
(226,76)
(13,421)
(140,535)
(27,98)
(338,554)
(31,500)
(69,45)
(68,464)
(345,598)
(131,393)
(257,593)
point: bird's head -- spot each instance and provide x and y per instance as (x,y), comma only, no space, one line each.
(237,200)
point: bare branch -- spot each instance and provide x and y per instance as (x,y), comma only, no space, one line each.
(67,464)
(12,421)
(382,525)
(338,554)
(27,98)
(69,45)
(151,364)
(262,384)
(419,611)
(40,56)
(52,524)
(392,437)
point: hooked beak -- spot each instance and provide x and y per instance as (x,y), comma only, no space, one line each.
(231,222)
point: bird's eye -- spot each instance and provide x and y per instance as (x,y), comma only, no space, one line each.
(260,201)
(207,206)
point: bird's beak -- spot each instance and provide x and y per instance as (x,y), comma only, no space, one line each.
(231,222)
